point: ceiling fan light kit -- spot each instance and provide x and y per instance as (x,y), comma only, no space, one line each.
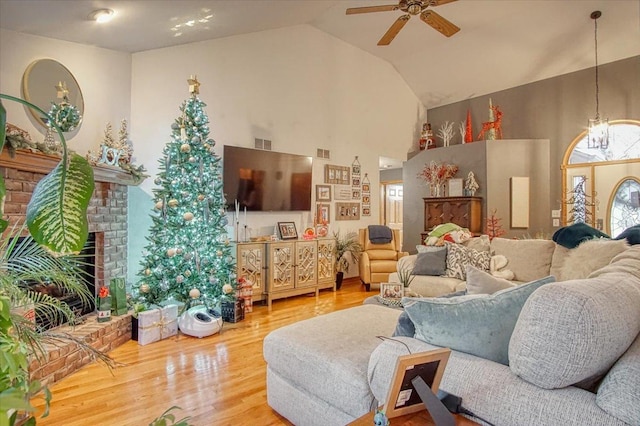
(411,7)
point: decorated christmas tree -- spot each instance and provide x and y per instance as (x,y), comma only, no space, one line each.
(579,202)
(188,255)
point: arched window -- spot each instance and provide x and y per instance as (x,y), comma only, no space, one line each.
(624,207)
(608,179)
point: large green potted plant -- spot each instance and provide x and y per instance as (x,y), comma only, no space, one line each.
(56,218)
(348,251)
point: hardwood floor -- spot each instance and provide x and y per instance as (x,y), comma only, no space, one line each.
(217,380)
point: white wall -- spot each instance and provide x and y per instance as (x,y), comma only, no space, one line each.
(104,77)
(299,87)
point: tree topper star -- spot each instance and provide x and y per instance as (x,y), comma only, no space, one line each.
(194,85)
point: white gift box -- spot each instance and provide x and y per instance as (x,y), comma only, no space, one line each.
(157,324)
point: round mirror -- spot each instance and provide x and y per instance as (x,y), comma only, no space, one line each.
(46,81)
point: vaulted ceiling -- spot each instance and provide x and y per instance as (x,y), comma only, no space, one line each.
(501,44)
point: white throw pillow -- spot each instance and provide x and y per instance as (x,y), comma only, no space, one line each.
(480,282)
(590,256)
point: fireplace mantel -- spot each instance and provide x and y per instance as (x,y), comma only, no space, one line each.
(38,162)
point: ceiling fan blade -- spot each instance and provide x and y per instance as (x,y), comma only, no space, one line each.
(439,23)
(435,3)
(369,9)
(393,31)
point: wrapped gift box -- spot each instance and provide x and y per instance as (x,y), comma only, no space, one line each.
(245,292)
(232,311)
(118,291)
(157,324)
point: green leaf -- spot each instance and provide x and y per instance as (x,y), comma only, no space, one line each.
(57,212)
(3,123)
(3,193)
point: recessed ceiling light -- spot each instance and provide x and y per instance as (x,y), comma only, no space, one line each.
(101,15)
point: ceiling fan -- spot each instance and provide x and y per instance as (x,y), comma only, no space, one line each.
(411,7)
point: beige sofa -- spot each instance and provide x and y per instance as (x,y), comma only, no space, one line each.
(527,259)
(332,369)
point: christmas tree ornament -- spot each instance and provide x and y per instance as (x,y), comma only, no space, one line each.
(173,202)
(187,273)
(219,253)
(179,250)
(147,271)
(227,289)
(194,293)
(157,181)
(185,147)
(180,279)
(201,197)
(144,288)
(159,205)
(188,216)
(171,252)
(192,160)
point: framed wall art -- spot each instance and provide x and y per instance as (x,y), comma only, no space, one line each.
(323,213)
(287,230)
(336,174)
(323,193)
(347,211)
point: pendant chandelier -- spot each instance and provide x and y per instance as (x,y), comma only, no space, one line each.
(598,127)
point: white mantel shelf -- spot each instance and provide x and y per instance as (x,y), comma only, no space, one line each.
(38,162)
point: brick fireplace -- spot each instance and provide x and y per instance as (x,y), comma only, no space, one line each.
(107,214)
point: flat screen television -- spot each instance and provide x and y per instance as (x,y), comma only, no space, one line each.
(265,180)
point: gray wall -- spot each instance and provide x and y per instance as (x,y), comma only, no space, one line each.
(493,164)
(390,175)
(556,109)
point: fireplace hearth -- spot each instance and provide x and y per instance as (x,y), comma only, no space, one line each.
(107,216)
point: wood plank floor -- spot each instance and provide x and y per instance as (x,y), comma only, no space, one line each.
(217,380)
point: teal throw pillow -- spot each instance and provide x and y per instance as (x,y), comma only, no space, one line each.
(479,325)
(432,263)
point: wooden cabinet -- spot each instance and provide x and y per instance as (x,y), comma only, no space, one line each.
(326,263)
(287,268)
(463,211)
(251,266)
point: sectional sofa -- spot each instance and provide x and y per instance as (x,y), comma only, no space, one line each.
(572,349)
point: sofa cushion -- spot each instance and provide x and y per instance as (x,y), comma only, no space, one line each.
(528,259)
(619,392)
(431,263)
(481,243)
(590,256)
(573,331)
(459,256)
(477,324)
(480,282)
(425,249)
(327,356)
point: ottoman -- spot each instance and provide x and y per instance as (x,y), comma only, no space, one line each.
(317,368)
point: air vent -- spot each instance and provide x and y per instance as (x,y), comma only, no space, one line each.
(324,153)
(263,144)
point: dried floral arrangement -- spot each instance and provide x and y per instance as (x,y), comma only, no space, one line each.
(437,174)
